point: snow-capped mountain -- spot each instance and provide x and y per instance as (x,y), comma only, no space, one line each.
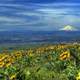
(68,28)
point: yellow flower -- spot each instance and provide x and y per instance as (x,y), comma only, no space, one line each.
(65,55)
(31,55)
(8,64)
(1,64)
(13,77)
(3,57)
(18,54)
(78,77)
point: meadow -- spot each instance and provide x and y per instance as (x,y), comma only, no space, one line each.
(41,62)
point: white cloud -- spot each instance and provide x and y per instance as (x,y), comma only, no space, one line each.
(9,19)
(41,16)
(58,4)
(26,13)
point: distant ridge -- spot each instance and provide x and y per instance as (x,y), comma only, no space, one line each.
(22,37)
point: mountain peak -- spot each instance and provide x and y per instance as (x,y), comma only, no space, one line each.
(68,28)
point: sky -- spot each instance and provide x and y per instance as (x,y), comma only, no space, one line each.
(36,15)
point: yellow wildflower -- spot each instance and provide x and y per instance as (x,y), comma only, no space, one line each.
(8,64)
(3,57)
(1,64)
(78,77)
(13,77)
(65,55)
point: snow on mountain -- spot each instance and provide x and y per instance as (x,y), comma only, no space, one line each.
(68,28)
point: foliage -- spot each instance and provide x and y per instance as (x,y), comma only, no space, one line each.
(47,62)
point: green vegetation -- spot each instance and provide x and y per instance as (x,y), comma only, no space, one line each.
(47,62)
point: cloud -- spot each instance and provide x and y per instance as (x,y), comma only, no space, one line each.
(39,16)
